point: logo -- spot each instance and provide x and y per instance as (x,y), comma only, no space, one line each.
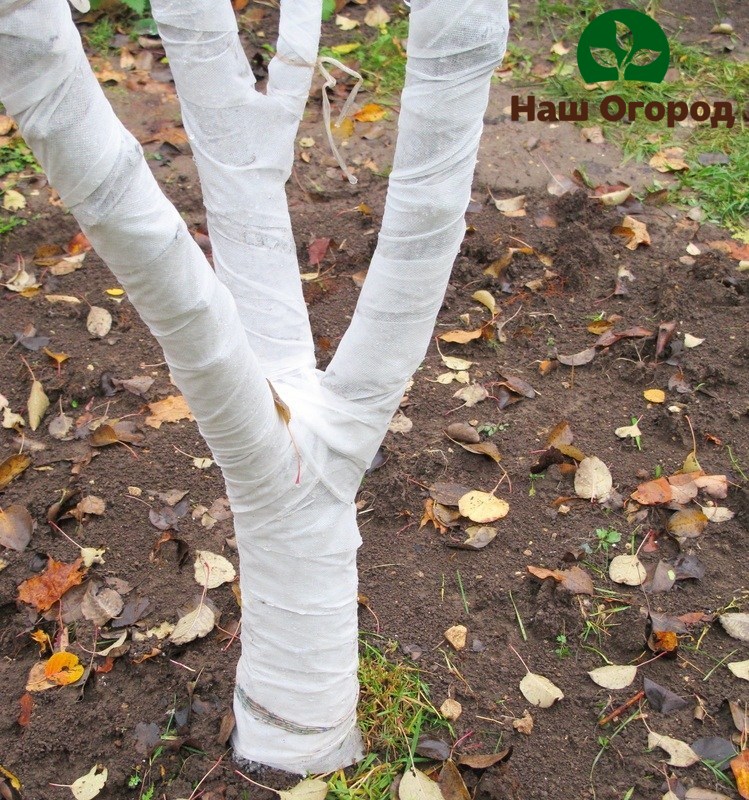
(623,44)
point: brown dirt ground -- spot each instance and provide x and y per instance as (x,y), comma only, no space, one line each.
(408,573)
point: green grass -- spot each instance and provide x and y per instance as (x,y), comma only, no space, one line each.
(100,35)
(718,189)
(381,61)
(394,710)
(15,157)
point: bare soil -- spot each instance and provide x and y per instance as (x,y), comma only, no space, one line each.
(409,574)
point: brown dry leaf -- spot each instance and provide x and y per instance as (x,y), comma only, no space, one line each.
(27,706)
(633,231)
(483,449)
(484,760)
(451,784)
(104,435)
(683,487)
(578,359)
(740,769)
(575,580)
(599,326)
(44,590)
(101,606)
(479,537)
(283,410)
(671,159)
(461,337)
(653,492)
(457,636)
(560,434)
(63,669)
(91,504)
(170,409)
(38,403)
(687,524)
(715,485)
(463,432)
(524,724)
(16,527)
(37,681)
(511,206)
(448,494)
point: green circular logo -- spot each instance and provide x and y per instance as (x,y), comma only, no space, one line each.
(623,44)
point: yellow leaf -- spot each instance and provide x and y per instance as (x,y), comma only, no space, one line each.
(115,292)
(58,358)
(13,200)
(170,409)
(654,395)
(14,782)
(460,337)
(486,299)
(370,113)
(482,507)
(344,129)
(345,49)
(63,668)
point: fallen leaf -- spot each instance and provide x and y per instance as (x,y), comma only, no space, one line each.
(13,200)
(16,527)
(451,709)
(687,524)
(455,363)
(400,423)
(736,625)
(170,409)
(44,590)
(483,449)
(718,513)
(376,17)
(21,281)
(451,782)
(38,403)
(90,784)
(101,606)
(486,299)
(194,625)
(654,395)
(627,569)
(540,691)
(739,714)
(661,699)
(308,789)
(614,197)
(653,492)
(632,431)
(482,507)
(479,537)
(578,359)
(740,769)
(98,322)
(212,570)
(463,432)
(614,676)
(484,760)
(471,395)
(457,635)
(370,113)
(346,23)
(715,485)
(524,724)
(511,206)
(633,231)
(740,669)
(461,337)
(27,706)
(63,669)
(671,159)
(593,480)
(681,754)
(692,341)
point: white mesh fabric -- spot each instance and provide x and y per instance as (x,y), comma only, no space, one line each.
(291,490)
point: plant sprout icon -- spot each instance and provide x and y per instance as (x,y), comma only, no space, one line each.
(623,44)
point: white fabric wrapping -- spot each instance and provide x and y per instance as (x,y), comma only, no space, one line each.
(295,518)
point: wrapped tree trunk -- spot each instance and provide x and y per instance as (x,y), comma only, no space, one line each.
(225,334)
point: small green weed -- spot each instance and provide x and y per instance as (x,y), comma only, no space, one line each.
(606,538)
(490,428)
(100,35)
(563,649)
(17,157)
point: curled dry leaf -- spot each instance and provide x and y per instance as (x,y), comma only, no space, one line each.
(614,676)
(484,760)
(451,783)
(539,690)
(400,423)
(593,480)
(38,403)
(632,431)
(44,590)
(524,724)
(486,299)
(627,569)
(578,359)
(681,754)
(653,492)
(101,606)
(488,449)
(633,232)
(211,569)
(415,785)
(16,527)
(457,636)
(736,625)
(479,537)
(463,432)
(687,524)
(482,507)
(98,322)
(448,494)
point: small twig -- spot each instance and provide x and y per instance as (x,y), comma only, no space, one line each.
(617,712)
(519,619)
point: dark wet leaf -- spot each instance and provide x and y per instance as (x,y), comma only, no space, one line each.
(30,340)
(715,749)
(665,622)
(463,432)
(578,359)
(661,699)
(550,456)
(665,334)
(608,338)
(519,386)
(183,549)
(226,728)
(317,250)
(689,566)
(136,608)
(478,761)
(106,384)
(16,527)
(710,159)
(663,579)
(379,460)
(168,516)
(429,747)
(739,714)
(147,736)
